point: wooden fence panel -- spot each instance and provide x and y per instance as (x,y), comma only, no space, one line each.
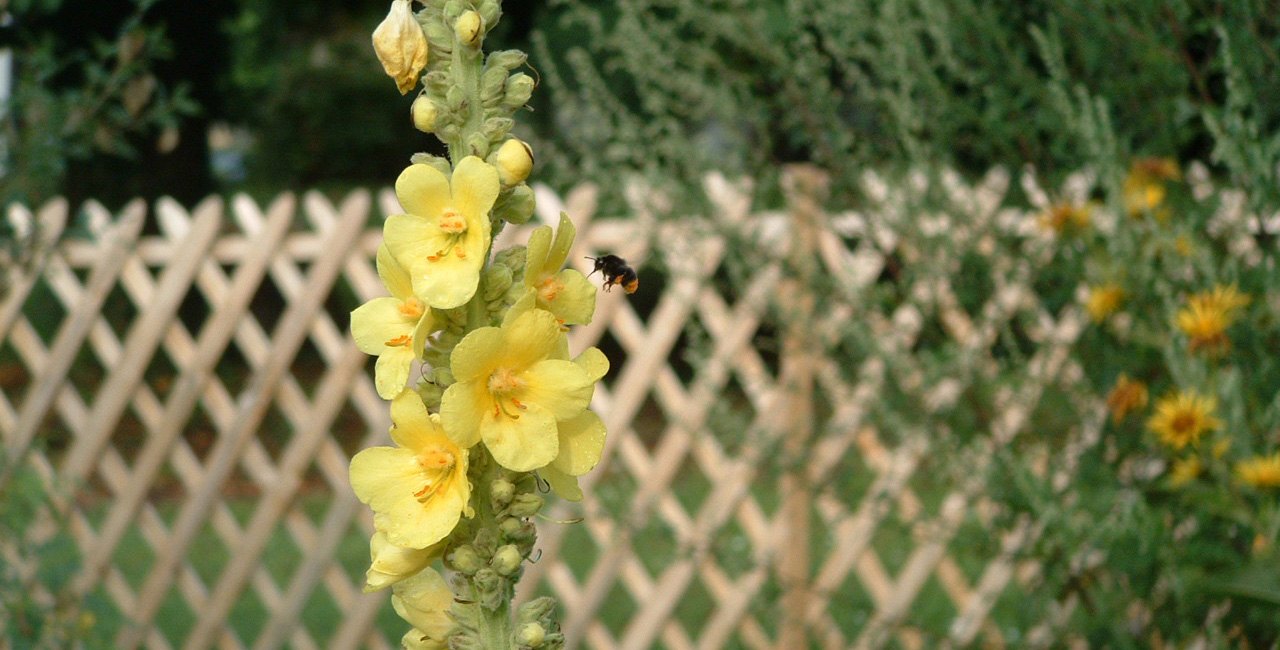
(192,397)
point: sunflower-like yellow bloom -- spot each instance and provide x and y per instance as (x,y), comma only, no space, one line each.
(443,238)
(401,46)
(1206,317)
(1144,188)
(511,390)
(424,600)
(1125,396)
(393,328)
(1103,301)
(564,292)
(1181,418)
(390,564)
(418,489)
(1260,471)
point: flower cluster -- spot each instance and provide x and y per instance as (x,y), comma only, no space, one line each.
(501,407)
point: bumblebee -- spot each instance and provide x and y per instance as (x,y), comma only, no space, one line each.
(616,272)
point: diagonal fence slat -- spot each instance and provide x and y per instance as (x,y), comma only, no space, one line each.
(220,374)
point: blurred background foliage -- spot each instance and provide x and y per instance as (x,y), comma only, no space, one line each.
(128,99)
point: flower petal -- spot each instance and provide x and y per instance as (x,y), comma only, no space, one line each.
(391,372)
(477,354)
(581,443)
(462,408)
(381,476)
(562,387)
(536,254)
(424,600)
(559,252)
(475,189)
(411,426)
(376,322)
(521,444)
(575,304)
(594,362)
(530,338)
(423,190)
(565,486)
(394,277)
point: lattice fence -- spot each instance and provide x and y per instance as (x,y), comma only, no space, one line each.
(192,397)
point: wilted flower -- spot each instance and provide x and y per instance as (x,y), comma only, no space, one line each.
(1125,396)
(401,46)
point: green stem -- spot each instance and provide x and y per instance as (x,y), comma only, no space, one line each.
(467,65)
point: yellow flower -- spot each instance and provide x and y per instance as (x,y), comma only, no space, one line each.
(1260,471)
(1125,396)
(1065,218)
(566,293)
(1185,470)
(424,600)
(401,46)
(443,239)
(511,391)
(1206,317)
(390,564)
(581,438)
(1104,301)
(418,489)
(1181,418)
(1144,187)
(394,328)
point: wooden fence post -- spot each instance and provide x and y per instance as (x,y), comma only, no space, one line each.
(805,188)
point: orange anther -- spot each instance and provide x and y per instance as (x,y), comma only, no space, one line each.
(403,339)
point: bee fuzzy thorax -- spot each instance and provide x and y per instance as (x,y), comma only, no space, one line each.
(616,272)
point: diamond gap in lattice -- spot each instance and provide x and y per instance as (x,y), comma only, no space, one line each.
(268,304)
(44,310)
(349,428)
(973,545)
(234,369)
(283,555)
(650,422)
(932,612)
(308,367)
(731,417)
(133,556)
(275,432)
(118,311)
(617,355)
(850,606)
(208,553)
(694,609)
(893,541)
(972,282)
(691,486)
(160,374)
(690,351)
(175,618)
(128,436)
(657,545)
(577,550)
(200,434)
(248,616)
(193,311)
(618,609)
(849,479)
(340,302)
(15,378)
(732,549)
(321,616)
(935,477)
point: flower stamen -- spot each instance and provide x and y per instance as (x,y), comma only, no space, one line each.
(403,339)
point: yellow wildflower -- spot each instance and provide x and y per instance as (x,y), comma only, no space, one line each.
(1125,396)
(1144,187)
(1065,218)
(1185,470)
(390,564)
(1104,301)
(424,600)
(1260,471)
(443,239)
(581,438)
(401,46)
(394,328)
(566,293)
(418,489)
(1181,418)
(511,391)
(1206,317)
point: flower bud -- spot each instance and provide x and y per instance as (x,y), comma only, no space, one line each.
(469,29)
(486,542)
(531,635)
(439,162)
(496,281)
(490,10)
(526,505)
(519,89)
(536,609)
(502,491)
(465,560)
(497,128)
(390,563)
(492,83)
(517,206)
(401,46)
(506,59)
(442,377)
(423,113)
(506,560)
(514,162)
(517,530)
(478,145)
(488,586)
